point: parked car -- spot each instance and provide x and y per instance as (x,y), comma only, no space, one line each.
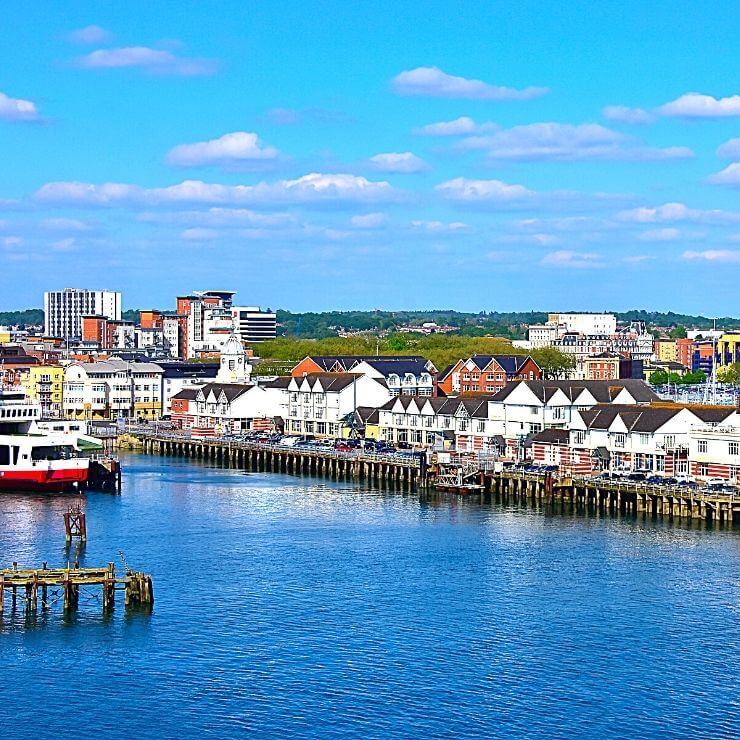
(636,476)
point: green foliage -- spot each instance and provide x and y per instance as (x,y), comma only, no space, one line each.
(441,349)
(678,332)
(553,363)
(730,374)
(661,377)
(29,317)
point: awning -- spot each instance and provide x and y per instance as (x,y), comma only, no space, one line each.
(88,444)
(602,453)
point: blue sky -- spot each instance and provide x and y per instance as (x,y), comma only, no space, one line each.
(312,156)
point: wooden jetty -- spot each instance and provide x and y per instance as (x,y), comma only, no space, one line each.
(51,585)
(625,497)
(104,474)
(405,471)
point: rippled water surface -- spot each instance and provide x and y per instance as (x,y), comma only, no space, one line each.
(300,607)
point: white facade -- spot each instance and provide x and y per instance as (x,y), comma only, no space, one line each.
(318,403)
(234,367)
(253,324)
(112,388)
(585,323)
(63,310)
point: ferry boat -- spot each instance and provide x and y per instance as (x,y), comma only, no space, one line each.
(32,459)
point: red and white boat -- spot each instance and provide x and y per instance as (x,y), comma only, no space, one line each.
(32,459)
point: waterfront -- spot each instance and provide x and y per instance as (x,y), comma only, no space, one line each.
(290,606)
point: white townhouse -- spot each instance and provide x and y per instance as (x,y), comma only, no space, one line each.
(627,438)
(439,423)
(714,449)
(222,408)
(112,389)
(413,376)
(320,403)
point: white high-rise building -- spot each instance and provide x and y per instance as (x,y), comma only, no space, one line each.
(63,310)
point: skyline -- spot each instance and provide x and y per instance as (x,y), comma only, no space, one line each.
(504,158)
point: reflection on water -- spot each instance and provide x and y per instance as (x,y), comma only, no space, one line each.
(291,606)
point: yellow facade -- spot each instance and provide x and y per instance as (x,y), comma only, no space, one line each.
(666,350)
(45,384)
(5,336)
(727,349)
(151,410)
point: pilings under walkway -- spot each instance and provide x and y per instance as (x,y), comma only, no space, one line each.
(667,502)
(46,587)
(402,471)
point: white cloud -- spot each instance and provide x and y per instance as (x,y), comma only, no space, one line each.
(696,105)
(237,148)
(154,61)
(200,235)
(712,255)
(10,242)
(730,149)
(730,175)
(65,245)
(433,82)
(440,227)
(623,114)
(459,127)
(312,188)
(569,258)
(17,109)
(401,162)
(222,217)
(669,212)
(369,220)
(461,189)
(65,224)
(90,35)
(660,235)
(562,141)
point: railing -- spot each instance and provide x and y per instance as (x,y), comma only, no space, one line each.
(408,459)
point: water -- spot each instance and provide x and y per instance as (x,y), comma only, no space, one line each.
(290,607)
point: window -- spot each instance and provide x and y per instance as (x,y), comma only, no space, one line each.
(619,440)
(480,426)
(490,388)
(463,425)
(703,469)
(733,448)
(579,438)
(321,427)
(644,439)
(669,441)
(702,445)
(660,463)
(417,437)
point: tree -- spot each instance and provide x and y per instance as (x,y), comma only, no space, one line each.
(730,374)
(678,332)
(553,363)
(659,377)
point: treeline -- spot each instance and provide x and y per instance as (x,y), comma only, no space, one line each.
(28,317)
(509,325)
(441,349)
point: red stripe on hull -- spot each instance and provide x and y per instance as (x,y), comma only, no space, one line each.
(41,480)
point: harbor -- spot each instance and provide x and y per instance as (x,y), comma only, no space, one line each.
(459,475)
(429,604)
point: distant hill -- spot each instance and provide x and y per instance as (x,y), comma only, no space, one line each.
(28,317)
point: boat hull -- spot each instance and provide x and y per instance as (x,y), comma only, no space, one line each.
(53,481)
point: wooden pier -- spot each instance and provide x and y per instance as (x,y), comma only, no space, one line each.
(403,471)
(48,586)
(624,497)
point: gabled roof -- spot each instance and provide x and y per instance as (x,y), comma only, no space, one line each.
(186,394)
(231,391)
(511,364)
(332,363)
(603,391)
(398,365)
(282,382)
(552,436)
(644,419)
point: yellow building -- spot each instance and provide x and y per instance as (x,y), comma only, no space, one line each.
(665,350)
(5,336)
(45,384)
(728,349)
